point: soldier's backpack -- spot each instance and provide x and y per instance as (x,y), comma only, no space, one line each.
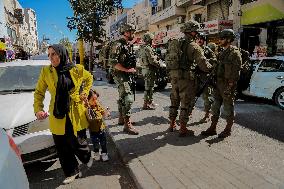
(175,57)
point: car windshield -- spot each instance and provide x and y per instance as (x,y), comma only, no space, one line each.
(19,78)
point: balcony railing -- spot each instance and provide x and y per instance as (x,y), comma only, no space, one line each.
(183,2)
(168,13)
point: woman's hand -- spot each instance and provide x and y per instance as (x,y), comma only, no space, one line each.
(84,98)
(41,115)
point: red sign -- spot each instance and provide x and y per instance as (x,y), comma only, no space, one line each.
(215,26)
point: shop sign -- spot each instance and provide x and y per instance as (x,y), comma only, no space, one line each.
(214,26)
(159,37)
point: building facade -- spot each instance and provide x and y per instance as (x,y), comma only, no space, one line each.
(31,37)
(258,24)
(21,27)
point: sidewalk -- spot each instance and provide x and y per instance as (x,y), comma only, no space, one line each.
(158,159)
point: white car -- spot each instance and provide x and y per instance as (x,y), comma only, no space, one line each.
(17,84)
(12,172)
(267,80)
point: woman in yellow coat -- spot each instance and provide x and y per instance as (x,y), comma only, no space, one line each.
(68,85)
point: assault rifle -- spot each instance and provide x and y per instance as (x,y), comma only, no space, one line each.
(203,85)
(132,64)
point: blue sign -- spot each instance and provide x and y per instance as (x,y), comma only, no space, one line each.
(154,3)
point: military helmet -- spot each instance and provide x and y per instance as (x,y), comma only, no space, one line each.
(148,37)
(126,27)
(190,26)
(227,34)
(202,36)
(212,46)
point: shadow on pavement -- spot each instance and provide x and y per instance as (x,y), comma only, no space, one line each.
(131,147)
(155,120)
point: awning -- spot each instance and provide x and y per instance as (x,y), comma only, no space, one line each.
(260,13)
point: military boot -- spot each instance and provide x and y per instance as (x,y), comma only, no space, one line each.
(227,130)
(173,125)
(128,127)
(146,105)
(212,129)
(183,131)
(206,119)
(152,105)
(120,119)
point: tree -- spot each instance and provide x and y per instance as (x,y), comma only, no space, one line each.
(68,45)
(90,17)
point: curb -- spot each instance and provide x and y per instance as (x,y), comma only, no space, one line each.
(142,178)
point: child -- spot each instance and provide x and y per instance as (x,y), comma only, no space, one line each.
(97,126)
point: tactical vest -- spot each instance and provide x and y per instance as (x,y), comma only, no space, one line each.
(127,57)
(176,58)
(224,60)
(143,56)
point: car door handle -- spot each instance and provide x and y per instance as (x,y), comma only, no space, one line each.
(279,77)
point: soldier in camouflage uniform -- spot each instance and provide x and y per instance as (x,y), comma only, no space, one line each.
(211,56)
(123,60)
(228,72)
(149,64)
(184,80)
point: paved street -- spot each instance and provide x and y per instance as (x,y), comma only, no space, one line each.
(102,175)
(253,157)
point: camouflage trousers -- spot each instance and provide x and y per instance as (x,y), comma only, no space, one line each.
(226,97)
(149,78)
(125,96)
(206,98)
(182,95)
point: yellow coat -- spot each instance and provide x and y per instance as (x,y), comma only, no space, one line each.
(48,81)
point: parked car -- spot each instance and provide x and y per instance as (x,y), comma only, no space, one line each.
(17,84)
(12,172)
(267,80)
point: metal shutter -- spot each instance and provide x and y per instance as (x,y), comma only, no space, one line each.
(215,10)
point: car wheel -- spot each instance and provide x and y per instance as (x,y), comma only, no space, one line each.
(279,98)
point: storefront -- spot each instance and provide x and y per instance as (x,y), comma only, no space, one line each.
(262,32)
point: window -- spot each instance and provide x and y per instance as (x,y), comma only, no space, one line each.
(166,4)
(271,65)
